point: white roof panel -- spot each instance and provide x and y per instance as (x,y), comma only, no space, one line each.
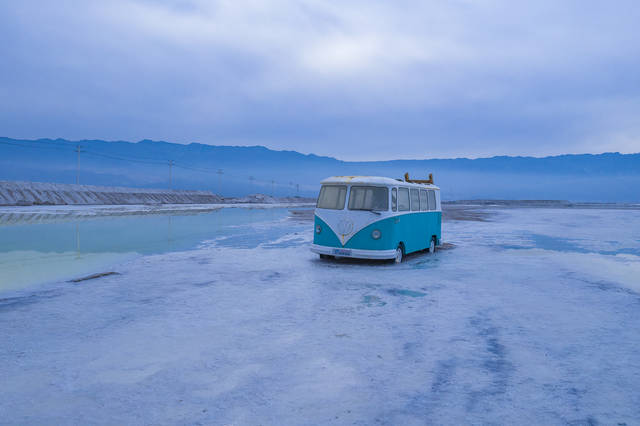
(372,180)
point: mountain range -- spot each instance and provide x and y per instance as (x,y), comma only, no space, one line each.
(239,170)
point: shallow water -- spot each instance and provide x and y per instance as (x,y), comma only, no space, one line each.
(34,253)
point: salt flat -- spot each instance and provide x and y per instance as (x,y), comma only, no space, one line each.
(529,316)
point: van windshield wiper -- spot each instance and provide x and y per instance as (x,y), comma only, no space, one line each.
(370,210)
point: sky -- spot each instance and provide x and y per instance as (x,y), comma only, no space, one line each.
(355,80)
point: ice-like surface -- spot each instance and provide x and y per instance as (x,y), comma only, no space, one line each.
(531,318)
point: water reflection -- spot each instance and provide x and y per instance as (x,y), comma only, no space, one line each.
(77,242)
(36,249)
(169,232)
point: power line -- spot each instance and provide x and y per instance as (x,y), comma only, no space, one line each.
(133,160)
(62,146)
(78,151)
(171,162)
(220,173)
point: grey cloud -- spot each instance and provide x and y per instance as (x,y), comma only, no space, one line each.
(355,80)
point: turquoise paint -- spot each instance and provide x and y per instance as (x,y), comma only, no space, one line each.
(414,230)
(387,240)
(326,237)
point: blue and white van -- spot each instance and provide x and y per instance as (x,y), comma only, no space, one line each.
(371,217)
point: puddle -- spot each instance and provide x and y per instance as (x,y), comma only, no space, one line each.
(402,292)
(565,245)
(370,300)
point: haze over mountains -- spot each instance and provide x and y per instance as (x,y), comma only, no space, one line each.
(238,170)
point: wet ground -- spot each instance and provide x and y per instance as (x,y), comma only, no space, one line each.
(531,316)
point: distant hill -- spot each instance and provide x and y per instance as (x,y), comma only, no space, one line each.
(609,177)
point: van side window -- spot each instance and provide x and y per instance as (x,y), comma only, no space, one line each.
(432,200)
(403,199)
(394,200)
(415,200)
(423,200)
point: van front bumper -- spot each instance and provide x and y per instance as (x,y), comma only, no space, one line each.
(355,253)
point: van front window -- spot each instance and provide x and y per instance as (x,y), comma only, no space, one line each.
(369,198)
(332,197)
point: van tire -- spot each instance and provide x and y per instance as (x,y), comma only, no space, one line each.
(399,254)
(326,257)
(432,245)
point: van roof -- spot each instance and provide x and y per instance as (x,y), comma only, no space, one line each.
(374,180)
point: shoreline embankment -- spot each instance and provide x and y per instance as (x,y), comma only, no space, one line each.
(14,193)
(55,194)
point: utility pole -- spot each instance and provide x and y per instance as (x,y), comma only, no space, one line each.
(78,151)
(171,163)
(220,172)
(251,179)
(273,183)
(297,189)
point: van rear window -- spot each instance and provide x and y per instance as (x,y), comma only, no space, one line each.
(332,197)
(432,200)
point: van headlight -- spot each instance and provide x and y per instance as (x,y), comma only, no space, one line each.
(376,234)
(318,229)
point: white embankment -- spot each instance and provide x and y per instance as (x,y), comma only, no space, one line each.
(37,193)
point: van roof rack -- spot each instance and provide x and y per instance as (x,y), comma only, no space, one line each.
(428,181)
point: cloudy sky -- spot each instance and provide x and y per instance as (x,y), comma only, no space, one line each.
(350,79)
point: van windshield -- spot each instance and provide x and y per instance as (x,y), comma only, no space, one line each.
(374,198)
(332,197)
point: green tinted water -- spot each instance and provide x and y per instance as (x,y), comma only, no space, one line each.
(32,253)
